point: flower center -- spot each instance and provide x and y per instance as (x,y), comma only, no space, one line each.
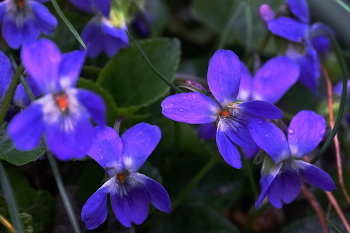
(121,177)
(225,113)
(62,101)
(20,3)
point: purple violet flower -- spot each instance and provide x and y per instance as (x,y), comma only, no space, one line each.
(22,21)
(93,6)
(101,35)
(63,113)
(232,117)
(269,84)
(312,37)
(282,182)
(130,192)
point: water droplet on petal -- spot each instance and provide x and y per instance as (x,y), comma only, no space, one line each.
(260,122)
(266,135)
(181,109)
(291,131)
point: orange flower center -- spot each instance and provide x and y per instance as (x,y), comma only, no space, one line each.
(121,177)
(225,113)
(62,101)
(20,3)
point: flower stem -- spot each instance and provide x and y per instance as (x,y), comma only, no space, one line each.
(9,93)
(317,207)
(338,54)
(7,224)
(10,199)
(336,139)
(248,170)
(62,191)
(69,25)
(200,175)
(159,75)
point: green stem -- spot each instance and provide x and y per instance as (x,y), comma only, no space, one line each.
(23,81)
(342,4)
(62,191)
(235,12)
(172,86)
(249,31)
(337,123)
(264,42)
(69,25)
(334,227)
(200,175)
(9,94)
(10,199)
(247,167)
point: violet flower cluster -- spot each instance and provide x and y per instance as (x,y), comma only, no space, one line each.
(313,38)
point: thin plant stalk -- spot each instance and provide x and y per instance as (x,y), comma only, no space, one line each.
(338,210)
(335,139)
(10,199)
(317,207)
(200,175)
(63,192)
(7,224)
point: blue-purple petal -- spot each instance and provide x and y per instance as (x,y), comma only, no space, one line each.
(228,150)
(193,108)
(95,211)
(236,128)
(308,65)
(41,61)
(250,152)
(315,176)
(94,105)
(289,28)
(26,128)
(274,78)
(245,87)
(84,5)
(106,149)
(16,35)
(6,72)
(285,188)
(21,98)
(266,181)
(321,43)
(207,131)
(130,207)
(104,6)
(3,9)
(139,141)
(305,132)
(46,22)
(299,9)
(69,136)
(224,75)
(157,195)
(69,68)
(258,108)
(114,38)
(92,35)
(269,138)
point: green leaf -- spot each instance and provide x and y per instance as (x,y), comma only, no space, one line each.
(130,80)
(194,217)
(9,152)
(110,104)
(36,203)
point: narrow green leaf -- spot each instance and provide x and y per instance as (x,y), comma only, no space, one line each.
(334,227)
(10,199)
(69,25)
